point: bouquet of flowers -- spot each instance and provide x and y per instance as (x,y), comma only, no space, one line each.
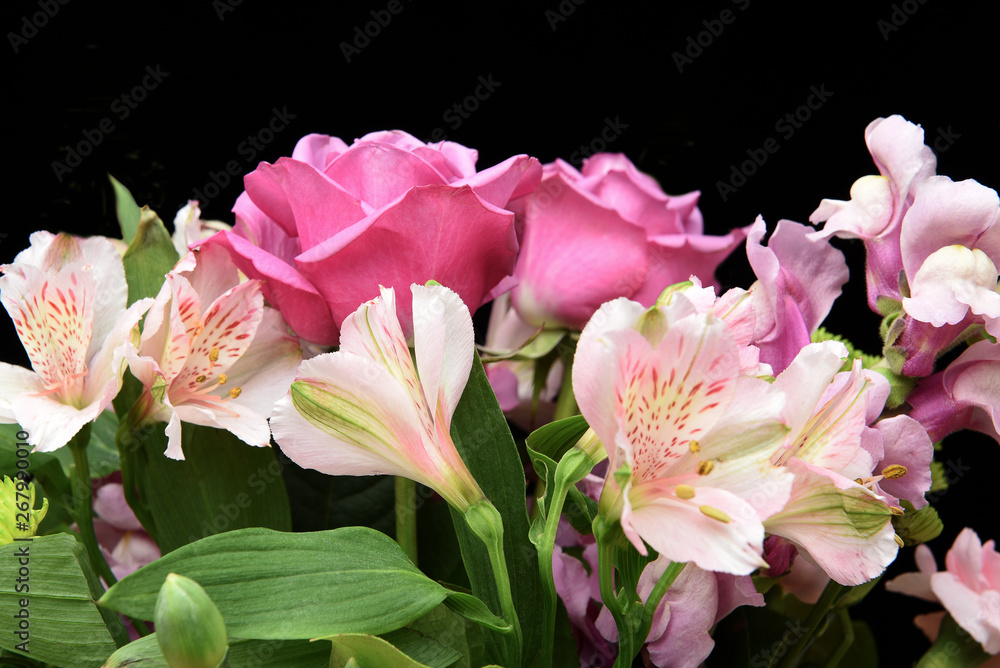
(277,442)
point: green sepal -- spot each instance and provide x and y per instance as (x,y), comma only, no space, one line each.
(149,257)
(128,211)
(917,526)
(899,386)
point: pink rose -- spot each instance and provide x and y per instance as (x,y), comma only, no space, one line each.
(326,227)
(604,232)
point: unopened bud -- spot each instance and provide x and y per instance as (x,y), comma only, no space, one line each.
(189,627)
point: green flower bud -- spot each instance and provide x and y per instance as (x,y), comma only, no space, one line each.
(189,627)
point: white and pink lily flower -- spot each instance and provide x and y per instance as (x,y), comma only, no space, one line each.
(67,297)
(189,228)
(371,408)
(212,353)
(687,433)
(837,513)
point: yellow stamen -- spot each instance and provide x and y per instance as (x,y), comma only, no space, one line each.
(899,541)
(894,471)
(213,354)
(235,392)
(715,514)
(223,378)
(200,379)
(684,491)
(896,510)
(694,446)
(859,481)
(705,467)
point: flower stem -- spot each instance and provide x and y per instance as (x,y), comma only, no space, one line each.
(406,516)
(813,621)
(606,538)
(484,520)
(82,506)
(655,596)
(566,402)
(573,467)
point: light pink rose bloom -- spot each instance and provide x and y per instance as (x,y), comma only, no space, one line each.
(878,203)
(604,232)
(326,227)
(966,395)
(799,278)
(968,588)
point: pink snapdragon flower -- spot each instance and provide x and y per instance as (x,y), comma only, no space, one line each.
(798,279)
(326,227)
(878,203)
(371,409)
(67,298)
(968,588)
(212,353)
(603,232)
(663,390)
(125,544)
(966,395)
(696,601)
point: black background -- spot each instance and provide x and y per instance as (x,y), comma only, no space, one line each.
(564,70)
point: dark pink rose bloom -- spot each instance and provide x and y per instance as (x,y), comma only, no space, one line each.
(326,227)
(605,232)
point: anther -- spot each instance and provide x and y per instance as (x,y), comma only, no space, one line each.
(715,514)
(684,491)
(235,392)
(894,471)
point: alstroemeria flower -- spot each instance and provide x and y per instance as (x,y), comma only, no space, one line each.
(878,203)
(67,298)
(799,278)
(968,588)
(371,409)
(211,353)
(189,228)
(837,513)
(663,391)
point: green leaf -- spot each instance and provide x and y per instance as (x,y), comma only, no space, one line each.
(145,653)
(149,258)
(49,579)
(437,639)
(222,484)
(319,502)
(368,651)
(128,210)
(472,608)
(555,438)
(484,441)
(269,584)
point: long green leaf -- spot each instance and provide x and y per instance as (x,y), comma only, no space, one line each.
(274,585)
(483,438)
(45,581)
(128,210)
(368,652)
(222,484)
(145,653)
